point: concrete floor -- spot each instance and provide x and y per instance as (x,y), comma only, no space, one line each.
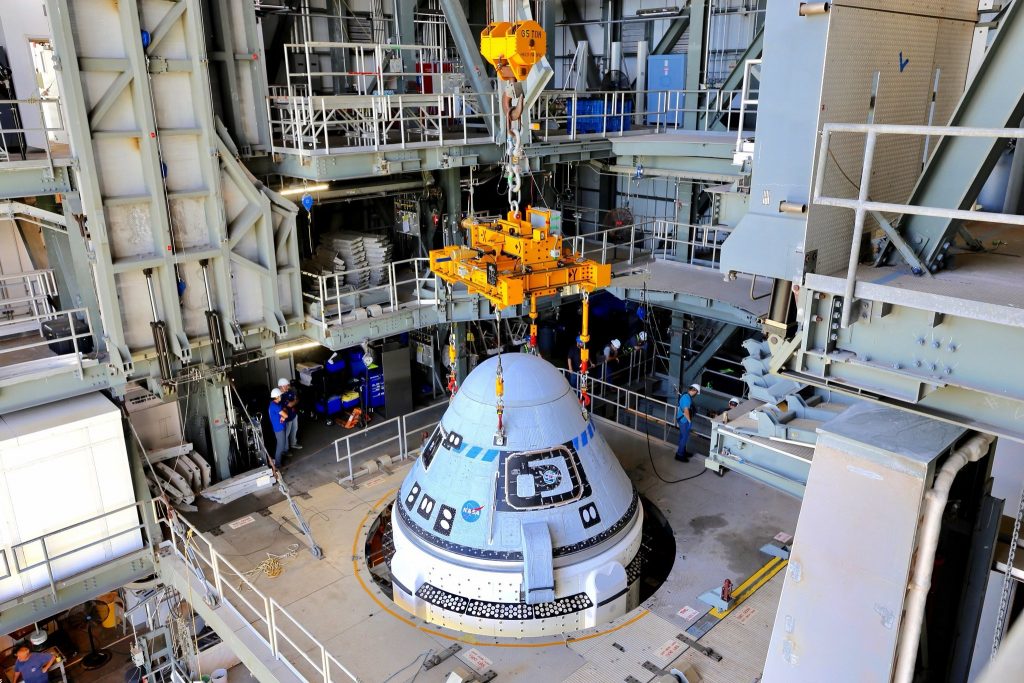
(718,523)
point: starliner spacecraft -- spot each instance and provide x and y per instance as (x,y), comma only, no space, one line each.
(534,534)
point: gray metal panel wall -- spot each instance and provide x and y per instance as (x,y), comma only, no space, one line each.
(853,547)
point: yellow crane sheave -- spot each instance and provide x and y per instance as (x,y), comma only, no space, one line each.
(513,48)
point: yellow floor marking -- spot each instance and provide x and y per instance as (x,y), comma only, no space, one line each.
(756,580)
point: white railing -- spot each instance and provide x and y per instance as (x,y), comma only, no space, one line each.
(698,245)
(62,555)
(649,416)
(392,435)
(749,96)
(334,124)
(407,284)
(862,204)
(286,640)
(26,296)
(303,122)
(13,142)
(72,341)
(621,244)
(369,68)
(558,115)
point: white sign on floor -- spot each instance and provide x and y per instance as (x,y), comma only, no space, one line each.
(669,650)
(478,661)
(688,613)
(241,521)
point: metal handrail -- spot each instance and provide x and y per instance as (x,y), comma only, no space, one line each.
(328,290)
(402,431)
(19,131)
(72,336)
(266,615)
(862,205)
(664,240)
(15,555)
(30,291)
(629,405)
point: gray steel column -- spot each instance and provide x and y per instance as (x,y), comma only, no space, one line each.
(220,430)
(467,44)
(406,10)
(695,55)
(450,178)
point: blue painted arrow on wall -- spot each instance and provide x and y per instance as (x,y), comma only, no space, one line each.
(903,62)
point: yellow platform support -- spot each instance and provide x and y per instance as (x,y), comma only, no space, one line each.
(512,258)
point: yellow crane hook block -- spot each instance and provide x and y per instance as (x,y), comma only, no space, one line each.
(513,49)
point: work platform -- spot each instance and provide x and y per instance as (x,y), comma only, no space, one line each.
(984,285)
(718,524)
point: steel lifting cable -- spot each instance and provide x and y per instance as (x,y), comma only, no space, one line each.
(499,387)
(585,354)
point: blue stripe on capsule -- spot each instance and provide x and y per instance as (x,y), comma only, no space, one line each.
(474,451)
(491,455)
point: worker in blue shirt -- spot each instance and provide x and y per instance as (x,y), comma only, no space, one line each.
(684,418)
(277,413)
(32,666)
(291,402)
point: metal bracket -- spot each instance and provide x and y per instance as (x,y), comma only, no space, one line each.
(834,318)
(706,651)
(438,657)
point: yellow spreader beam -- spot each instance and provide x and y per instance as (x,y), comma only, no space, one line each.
(511,259)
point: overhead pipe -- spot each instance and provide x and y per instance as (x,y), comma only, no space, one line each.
(921,577)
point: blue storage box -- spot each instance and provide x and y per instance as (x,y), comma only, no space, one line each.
(589,115)
(332,406)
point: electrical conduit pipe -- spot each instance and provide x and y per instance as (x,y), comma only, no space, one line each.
(921,577)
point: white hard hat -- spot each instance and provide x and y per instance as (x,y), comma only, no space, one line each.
(642,336)
(276,393)
(734,400)
(616,344)
(283,382)
(695,387)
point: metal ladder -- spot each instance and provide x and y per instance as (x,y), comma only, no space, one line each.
(1004,595)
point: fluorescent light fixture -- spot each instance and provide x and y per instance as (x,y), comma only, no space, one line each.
(659,11)
(300,344)
(302,189)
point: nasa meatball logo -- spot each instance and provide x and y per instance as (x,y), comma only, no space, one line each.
(471,510)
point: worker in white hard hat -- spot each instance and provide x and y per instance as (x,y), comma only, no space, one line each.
(733,402)
(277,413)
(291,402)
(684,419)
(611,359)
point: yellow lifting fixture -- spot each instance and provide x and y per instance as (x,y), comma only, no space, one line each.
(513,48)
(510,259)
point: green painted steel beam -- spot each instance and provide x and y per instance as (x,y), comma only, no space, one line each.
(578,31)
(33,178)
(42,604)
(673,33)
(692,304)
(369,164)
(939,364)
(723,333)
(960,166)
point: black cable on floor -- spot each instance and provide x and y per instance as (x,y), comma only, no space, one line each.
(649,329)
